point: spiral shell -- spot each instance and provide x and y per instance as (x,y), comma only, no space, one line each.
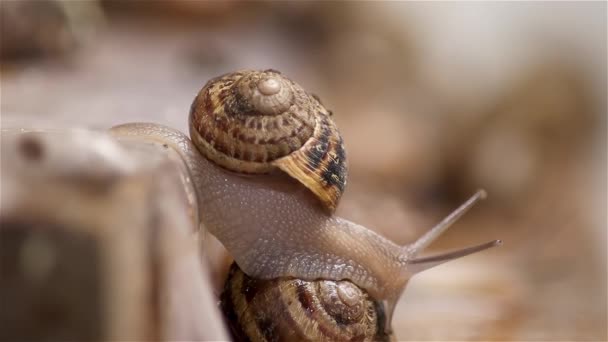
(258,121)
(293,309)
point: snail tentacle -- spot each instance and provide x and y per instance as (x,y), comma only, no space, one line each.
(418,265)
(433,233)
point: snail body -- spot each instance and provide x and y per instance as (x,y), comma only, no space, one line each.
(269,168)
(273,227)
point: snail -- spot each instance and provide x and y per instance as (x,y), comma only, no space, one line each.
(289,309)
(269,168)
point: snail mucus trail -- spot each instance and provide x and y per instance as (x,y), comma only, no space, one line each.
(269,167)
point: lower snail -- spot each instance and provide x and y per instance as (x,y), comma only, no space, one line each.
(288,309)
(269,167)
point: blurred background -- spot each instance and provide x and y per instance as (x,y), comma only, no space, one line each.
(434,100)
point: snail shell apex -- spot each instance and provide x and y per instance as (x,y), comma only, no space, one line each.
(258,121)
(288,309)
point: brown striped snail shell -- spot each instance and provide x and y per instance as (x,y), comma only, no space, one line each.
(259,121)
(287,309)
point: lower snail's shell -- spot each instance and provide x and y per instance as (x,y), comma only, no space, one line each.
(297,310)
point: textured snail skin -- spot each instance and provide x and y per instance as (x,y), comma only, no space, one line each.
(274,227)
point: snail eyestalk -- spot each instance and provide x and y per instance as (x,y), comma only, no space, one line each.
(425,240)
(414,264)
(418,265)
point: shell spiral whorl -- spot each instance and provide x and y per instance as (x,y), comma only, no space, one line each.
(293,309)
(258,121)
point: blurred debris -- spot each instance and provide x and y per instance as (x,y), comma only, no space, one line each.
(45,28)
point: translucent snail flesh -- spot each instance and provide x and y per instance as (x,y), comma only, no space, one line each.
(272,174)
